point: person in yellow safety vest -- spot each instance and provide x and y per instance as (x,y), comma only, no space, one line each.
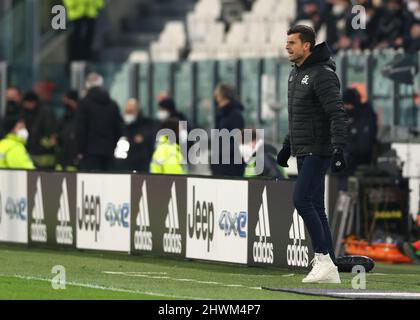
(167,157)
(257,153)
(13,154)
(82,14)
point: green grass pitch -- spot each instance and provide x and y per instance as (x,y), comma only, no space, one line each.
(27,273)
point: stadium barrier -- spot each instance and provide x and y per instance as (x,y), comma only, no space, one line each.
(250,222)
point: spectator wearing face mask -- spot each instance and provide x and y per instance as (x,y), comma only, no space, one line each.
(67,144)
(13,154)
(139,134)
(258,153)
(167,109)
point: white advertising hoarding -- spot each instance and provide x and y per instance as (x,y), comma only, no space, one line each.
(217,220)
(103,212)
(13,206)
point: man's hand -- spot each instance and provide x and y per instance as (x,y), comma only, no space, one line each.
(338,161)
(283,156)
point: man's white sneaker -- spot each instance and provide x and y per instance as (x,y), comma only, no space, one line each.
(333,277)
(323,270)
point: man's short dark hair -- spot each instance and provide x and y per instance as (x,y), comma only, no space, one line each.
(306,34)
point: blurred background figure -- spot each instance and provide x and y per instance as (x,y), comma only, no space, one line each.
(14,101)
(167,157)
(362,132)
(251,153)
(337,19)
(140,133)
(167,109)
(393,24)
(13,154)
(229,116)
(98,126)
(41,124)
(66,133)
(13,106)
(82,14)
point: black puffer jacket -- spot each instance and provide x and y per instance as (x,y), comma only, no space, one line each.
(317,119)
(98,124)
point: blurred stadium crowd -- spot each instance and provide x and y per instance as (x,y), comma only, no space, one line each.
(66,143)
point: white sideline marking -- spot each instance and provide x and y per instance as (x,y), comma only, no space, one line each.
(113,289)
(288,275)
(180,279)
(381,294)
(136,272)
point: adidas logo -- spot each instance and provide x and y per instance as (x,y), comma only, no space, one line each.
(38,228)
(143,237)
(172,239)
(64,231)
(297,254)
(263,251)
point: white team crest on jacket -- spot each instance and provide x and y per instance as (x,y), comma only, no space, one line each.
(305,79)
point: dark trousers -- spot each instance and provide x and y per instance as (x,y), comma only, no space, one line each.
(81,39)
(97,163)
(308,198)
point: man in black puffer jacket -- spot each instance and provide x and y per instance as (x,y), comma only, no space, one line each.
(98,127)
(317,137)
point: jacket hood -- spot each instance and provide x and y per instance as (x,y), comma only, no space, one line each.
(99,95)
(321,54)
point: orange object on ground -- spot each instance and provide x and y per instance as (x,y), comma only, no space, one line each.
(381,252)
(417,245)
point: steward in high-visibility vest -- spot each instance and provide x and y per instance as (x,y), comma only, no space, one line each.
(167,158)
(13,154)
(78,9)
(253,153)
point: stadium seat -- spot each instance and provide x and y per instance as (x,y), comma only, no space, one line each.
(170,43)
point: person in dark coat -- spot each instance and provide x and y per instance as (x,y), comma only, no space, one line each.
(140,133)
(41,124)
(66,134)
(317,138)
(362,130)
(98,127)
(13,106)
(229,116)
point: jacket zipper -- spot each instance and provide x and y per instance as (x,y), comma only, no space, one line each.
(291,109)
